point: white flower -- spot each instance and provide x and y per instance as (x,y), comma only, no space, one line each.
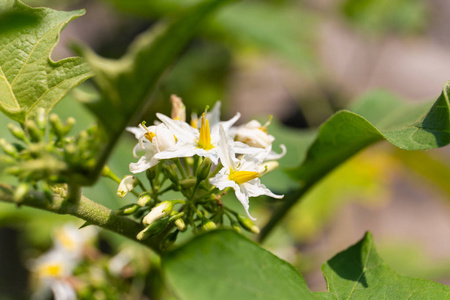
(242,175)
(158,212)
(71,240)
(254,134)
(153,140)
(191,141)
(51,270)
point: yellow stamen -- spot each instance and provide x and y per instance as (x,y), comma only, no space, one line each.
(149,135)
(50,270)
(204,140)
(242,176)
(194,123)
(264,127)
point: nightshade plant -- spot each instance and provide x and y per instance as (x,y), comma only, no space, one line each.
(200,161)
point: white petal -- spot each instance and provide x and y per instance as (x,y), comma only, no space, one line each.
(182,130)
(256,188)
(226,152)
(242,195)
(226,126)
(274,156)
(63,290)
(214,115)
(144,163)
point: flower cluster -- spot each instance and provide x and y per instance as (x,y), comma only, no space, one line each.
(210,156)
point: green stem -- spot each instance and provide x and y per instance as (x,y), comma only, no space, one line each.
(180,167)
(85,209)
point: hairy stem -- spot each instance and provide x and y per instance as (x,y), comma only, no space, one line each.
(85,209)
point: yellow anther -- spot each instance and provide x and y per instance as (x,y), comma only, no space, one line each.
(194,123)
(65,239)
(242,176)
(50,270)
(264,127)
(204,140)
(149,135)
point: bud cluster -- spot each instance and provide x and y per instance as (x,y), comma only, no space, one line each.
(44,152)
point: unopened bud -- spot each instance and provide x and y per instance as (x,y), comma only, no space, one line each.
(56,125)
(152,173)
(247,224)
(188,183)
(144,199)
(153,229)
(33,131)
(9,148)
(69,125)
(171,172)
(178,108)
(21,191)
(177,220)
(203,169)
(267,167)
(236,227)
(127,184)
(208,226)
(40,119)
(128,209)
(169,240)
(158,212)
(17,132)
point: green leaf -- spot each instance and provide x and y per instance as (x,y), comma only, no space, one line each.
(29,79)
(225,265)
(359,273)
(346,133)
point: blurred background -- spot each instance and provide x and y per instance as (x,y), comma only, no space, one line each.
(300,61)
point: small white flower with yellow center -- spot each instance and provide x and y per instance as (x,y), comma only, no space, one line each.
(242,175)
(51,271)
(191,141)
(71,240)
(154,139)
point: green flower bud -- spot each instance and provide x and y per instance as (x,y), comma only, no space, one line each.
(57,126)
(160,211)
(247,224)
(188,183)
(152,173)
(144,199)
(171,172)
(21,191)
(208,226)
(17,132)
(34,132)
(153,229)
(169,240)
(177,220)
(128,209)
(236,227)
(203,169)
(127,184)
(9,148)
(69,125)
(41,120)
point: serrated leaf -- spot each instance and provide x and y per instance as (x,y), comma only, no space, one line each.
(359,273)
(225,265)
(29,79)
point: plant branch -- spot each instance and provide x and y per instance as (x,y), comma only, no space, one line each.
(85,209)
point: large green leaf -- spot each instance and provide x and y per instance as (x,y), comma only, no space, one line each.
(359,273)
(225,265)
(29,79)
(375,118)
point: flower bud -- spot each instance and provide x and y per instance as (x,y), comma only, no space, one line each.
(169,240)
(144,199)
(127,184)
(33,131)
(178,108)
(171,173)
(267,167)
(57,126)
(236,227)
(188,183)
(152,173)
(160,211)
(69,125)
(208,226)
(203,169)
(247,224)
(128,209)
(153,229)
(40,119)
(9,148)
(17,132)
(21,191)
(177,220)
